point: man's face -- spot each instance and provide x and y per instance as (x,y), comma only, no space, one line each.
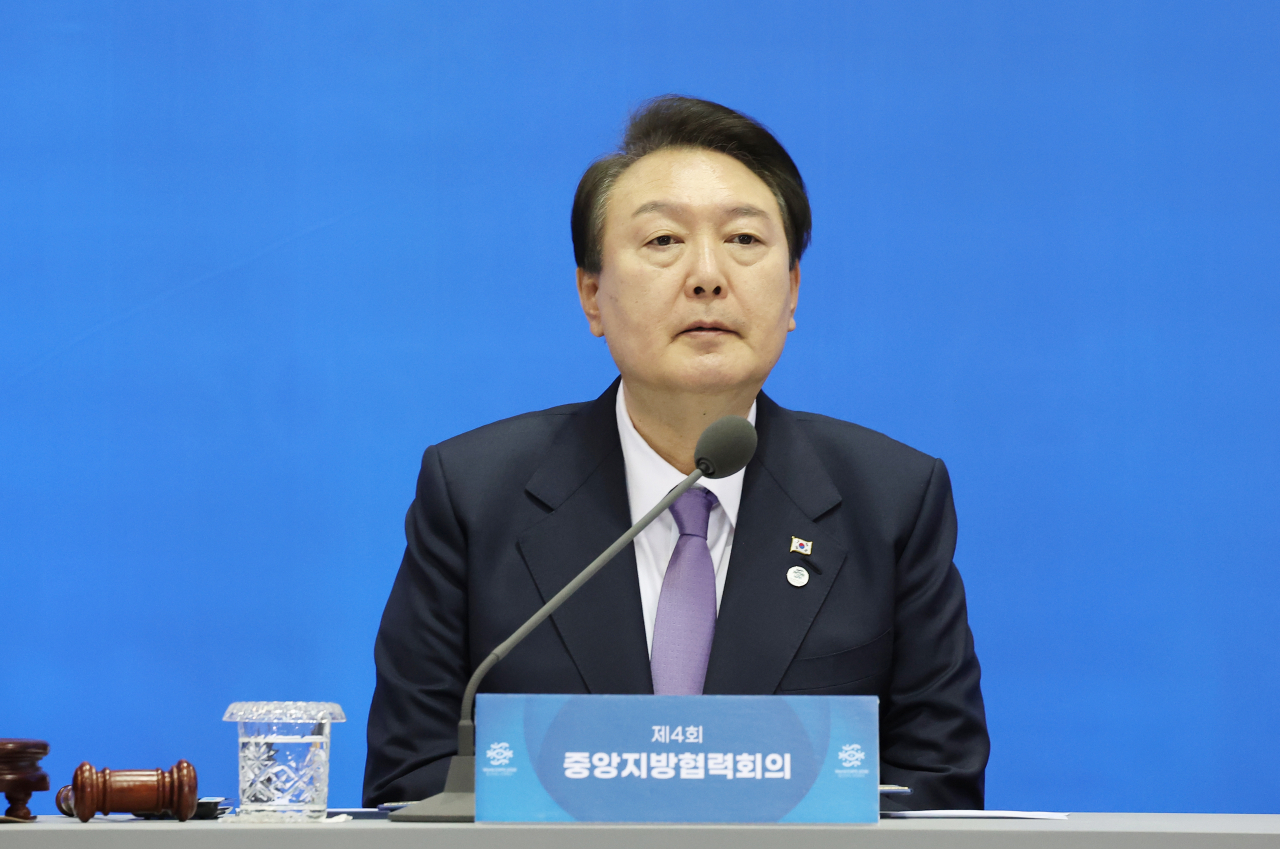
(694,293)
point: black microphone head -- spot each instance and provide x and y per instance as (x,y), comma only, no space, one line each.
(725,446)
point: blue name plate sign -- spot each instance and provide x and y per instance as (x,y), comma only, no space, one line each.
(546,758)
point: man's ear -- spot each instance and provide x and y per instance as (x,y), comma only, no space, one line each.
(795,295)
(588,292)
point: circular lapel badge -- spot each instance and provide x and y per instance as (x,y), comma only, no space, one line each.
(797,576)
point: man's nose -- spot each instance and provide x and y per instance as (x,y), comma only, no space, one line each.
(707,277)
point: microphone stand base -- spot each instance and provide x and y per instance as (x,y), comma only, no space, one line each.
(442,807)
(457,802)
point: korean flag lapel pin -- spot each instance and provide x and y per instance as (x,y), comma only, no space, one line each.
(798,576)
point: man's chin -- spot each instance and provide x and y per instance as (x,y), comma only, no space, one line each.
(712,379)
(684,372)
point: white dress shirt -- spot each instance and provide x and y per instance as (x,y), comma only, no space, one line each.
(649,478)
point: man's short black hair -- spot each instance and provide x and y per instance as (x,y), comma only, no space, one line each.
(674,121)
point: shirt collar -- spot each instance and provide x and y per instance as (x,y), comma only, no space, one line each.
(649,477)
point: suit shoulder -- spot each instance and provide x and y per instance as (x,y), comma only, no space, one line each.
(498,441)
(836,438)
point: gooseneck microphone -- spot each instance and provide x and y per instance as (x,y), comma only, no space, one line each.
(724,448)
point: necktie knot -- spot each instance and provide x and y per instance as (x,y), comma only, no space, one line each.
(692,511)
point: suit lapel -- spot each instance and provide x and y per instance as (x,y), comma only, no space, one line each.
(583,482)
(763,618)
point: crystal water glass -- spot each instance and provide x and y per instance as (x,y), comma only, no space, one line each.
(284,758)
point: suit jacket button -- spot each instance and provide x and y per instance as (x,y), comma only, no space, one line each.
(797,576)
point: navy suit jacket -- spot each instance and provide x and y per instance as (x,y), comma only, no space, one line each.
(506,515)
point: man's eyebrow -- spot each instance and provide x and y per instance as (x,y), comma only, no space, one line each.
(745,211)
(654,206)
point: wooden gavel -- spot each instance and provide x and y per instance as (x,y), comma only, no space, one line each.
(130,791)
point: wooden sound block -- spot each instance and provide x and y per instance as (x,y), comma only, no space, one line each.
(130,791)
(21,775)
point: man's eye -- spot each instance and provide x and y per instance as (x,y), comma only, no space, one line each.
(662,241)
(744,239)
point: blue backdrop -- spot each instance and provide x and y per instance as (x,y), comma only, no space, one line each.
(254,257)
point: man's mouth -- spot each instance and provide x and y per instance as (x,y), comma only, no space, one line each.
(706,327)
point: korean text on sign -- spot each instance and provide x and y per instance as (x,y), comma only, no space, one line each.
(688,765)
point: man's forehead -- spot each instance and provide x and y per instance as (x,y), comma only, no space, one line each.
(684,167)
(677,209)
(683,182)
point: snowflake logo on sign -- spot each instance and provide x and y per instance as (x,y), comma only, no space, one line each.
(499,754)
(851,755)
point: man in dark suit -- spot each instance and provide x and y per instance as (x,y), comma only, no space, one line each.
(688,244)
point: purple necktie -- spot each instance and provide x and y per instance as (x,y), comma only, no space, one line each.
(686,619)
